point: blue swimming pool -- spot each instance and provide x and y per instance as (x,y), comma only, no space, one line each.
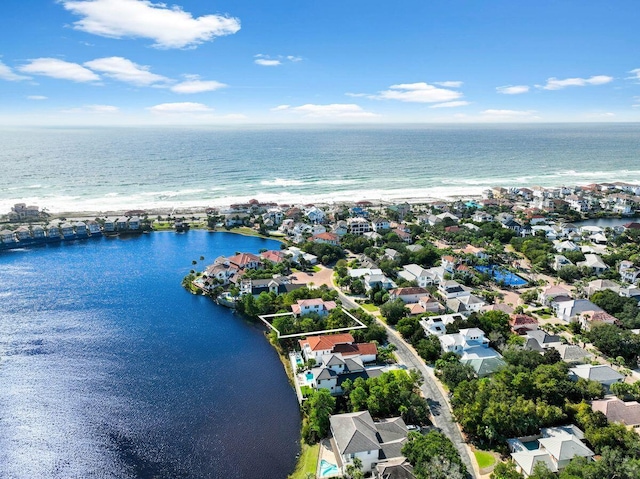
(309,376)
(501,274)
(328,469)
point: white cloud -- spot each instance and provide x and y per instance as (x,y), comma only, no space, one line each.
(512,89)
(180,107)
(37,97)
(449,84)
(555,84)
(8,74)
(55,68)
(197,86)
(93,109)
(358,95)
(269,61)
(348,111)
(265,62)
(125,70)
(636,74)
(418,93)
(169,27)
(450,104)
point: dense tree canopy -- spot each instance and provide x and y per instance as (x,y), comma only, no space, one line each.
(433,456)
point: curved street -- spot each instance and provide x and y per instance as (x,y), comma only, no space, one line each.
(439,406)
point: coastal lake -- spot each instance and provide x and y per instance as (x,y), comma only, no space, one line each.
(110,369)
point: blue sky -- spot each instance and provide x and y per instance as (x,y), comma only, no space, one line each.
(137,62)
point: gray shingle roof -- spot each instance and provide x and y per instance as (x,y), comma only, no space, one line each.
(354,432)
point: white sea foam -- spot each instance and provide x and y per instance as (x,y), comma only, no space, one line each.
(281,182)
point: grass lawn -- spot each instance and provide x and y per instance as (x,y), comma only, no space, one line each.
(484,459)
(369,307)
(307,462)
(316,269)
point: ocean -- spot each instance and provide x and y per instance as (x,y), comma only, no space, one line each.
(107,169)
(110,369)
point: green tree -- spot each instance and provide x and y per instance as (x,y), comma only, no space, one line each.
(433,456)
(394,311)
(506,470)
(318,408)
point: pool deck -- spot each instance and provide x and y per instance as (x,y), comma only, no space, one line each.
(326,453)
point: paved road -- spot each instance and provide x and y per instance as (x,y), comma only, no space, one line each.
(440,412)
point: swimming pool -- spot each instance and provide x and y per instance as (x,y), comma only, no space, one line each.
(328,469)
(501,274)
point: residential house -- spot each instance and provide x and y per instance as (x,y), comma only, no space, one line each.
(53,233)
(569,309)
(408,295)
(448,262)
(436,325)
(8,237)
(67,231)
(601,373)
(316,306)
(109,225)
(523,323)
(560,262)
(573,354)
(452,289)
(23,233)
(81,228)
(278,285)
(397,468)
(588,318)
(628,272)
(403,235)
(380,224)
(549,293)
(356,435)
(556,447)
(466,304)
(372,281)
(600,285)
(122,223)
(617,410)
(314,347)
(245,261)
(422,276)
(134,223)
(358,225)
(539,340)
(38,232)
(465,339)
(315,215)
(594,262)
(273,256)
(326,238)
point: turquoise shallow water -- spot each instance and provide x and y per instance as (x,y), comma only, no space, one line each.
(111,168)
(110,369)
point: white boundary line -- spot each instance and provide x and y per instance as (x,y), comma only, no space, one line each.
(265,317)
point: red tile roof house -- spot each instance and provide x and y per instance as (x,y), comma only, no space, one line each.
(523,323)
(408,295)
(273,256)
(327,238)
(314,347)
(245,261)
(317,306)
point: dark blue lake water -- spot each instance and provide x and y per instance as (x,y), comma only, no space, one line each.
(110,369)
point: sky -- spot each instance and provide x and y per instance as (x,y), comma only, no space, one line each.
(224,62)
